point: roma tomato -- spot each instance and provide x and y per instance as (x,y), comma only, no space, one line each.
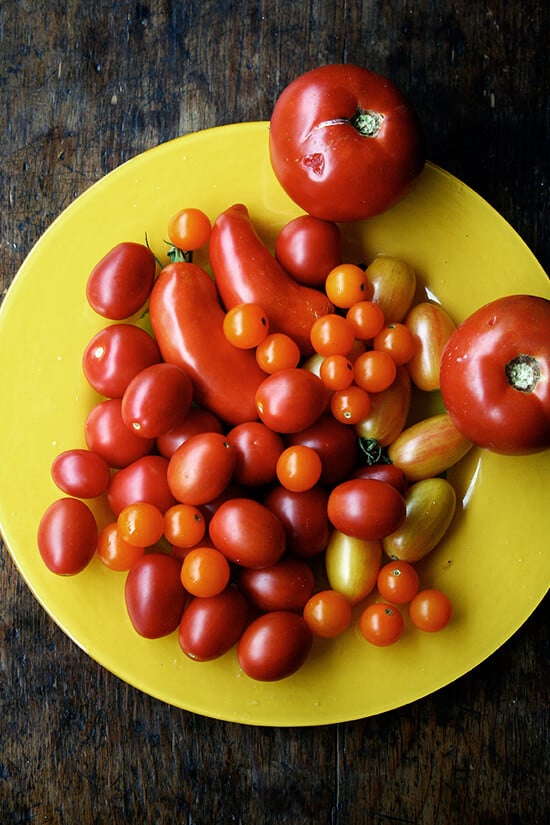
(274,646)
(120,282)
(344,143)
(304,517)
(67,536)
(429,447)
(156,400)
(143,480)
(107,435)
(201,468)
(352,565)
(286,585)
(81,473)
(336,445)
(258,449)
(431,327)
(384,472)
(155,597)
(308,248)
(291,400)
(248,533)
(495,375)
(212,625)
(115,355)
(366,508)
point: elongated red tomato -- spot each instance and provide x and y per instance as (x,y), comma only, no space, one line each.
(248,533)
(212,625)
(366,508)
(115,355)
(274,646)
(201,468)
(107,435)
(155,597)
(121,281)
(67,536)
(157,399)
(304,517)
(81,473)
(142,480)
(286,585)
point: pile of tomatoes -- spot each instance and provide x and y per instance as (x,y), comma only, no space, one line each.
(252,444)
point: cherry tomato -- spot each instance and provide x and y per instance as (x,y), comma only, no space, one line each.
(115,355)
(143,480)
(397,582)
(344,143)
(274,646)
(201,468)
(81,473)
(389,411)
(308,248)
(299,468)
(428,447)
(212,625)
(352,565)
(381,624)
(286,585)
(120,282)
(114,552)
(290,400)
(140,524)
(336,445)
(327,614)
(374,371)
(245,325)
(197,420)
(258,449)
(347,284)
(154,595)
(248,533)
(398,341)
(350,406)
(366,508)
(366,318)
(205,572)
(184,525)
(431,610)
(156,400)
(189,229)
(384,472)
(67,536)
(431,327)
(336,372)
(304,517)
(394,284)
(277,352)
(332,335)
(107,435)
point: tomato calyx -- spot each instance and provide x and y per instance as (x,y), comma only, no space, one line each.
(365,121)
(179,255)
(523,373)
(372,452)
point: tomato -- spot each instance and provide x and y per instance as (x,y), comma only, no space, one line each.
(258,449)
(344,143)
(184,525)
(81,473)
(398,341)
(246,325)
(114,552)
(115,355)
(381,624)
(366,508)
(201,468)
(67,536)
(290,400)
(140,524)
(389,411)
(394,285)
(212,625)
(205,572)
(336,372)
(428,447)
(431,610)
(304,518)
(374,371)
(431,327)
(336,445)
(495,375)
(154,595)
(327,614)
(352,565)
(286,585)
(431,505)
(274,646)
(143,480)
(248,533)
(350,406)
(189,229)
(366,318)
(107,435)
(347,284)
(384,472)
(299,468)
(331,334)
(308,248)
(120,282)
(277,352)
(197,420)
(156,400)
(397,582)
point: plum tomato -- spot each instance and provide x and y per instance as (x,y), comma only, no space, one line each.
(286,585)
(381,624)
(275,645)
(212,625)
(121,281)
(258,449)
(248,533)
(304,517)
(397,582)
(366,508)
(394,285)
(81,473)
(308,248)
(143,480)
(107,435)
(291,400)
(389,411)
(67,536)
(156,400)
(155,597)
(201,468)
(197,420)
(115,355)
(336,445)
(431,326)
(327,614)
(431,610)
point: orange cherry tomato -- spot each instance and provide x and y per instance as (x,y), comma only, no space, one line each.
(336,372)
(367,319)
(346,284)
(398,341)
(431,610)
(245,325)
(374,371)
(381,624)
(141,524)
(276,352)
(299,468)
(184,525)
(189,229)
(205,572)
(114,552)
(397,582)
(332,335)
(350,406)
(327,614)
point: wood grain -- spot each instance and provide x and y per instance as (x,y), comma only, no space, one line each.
(86,86)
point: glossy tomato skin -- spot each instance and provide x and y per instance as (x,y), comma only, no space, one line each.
(197,420)
(291,400)
(201,468)
(366,508)
(81,473)
(258,449)
(107,435)
(67,536)
(336,445)
(155,597)
(495,375)
(143,480)
(274,646)
(212,625)
(304,517)
(115,355)
(157,399)
(121,281)
(286,585)
(431,326)
(308,248)
(321,159)
(248,533)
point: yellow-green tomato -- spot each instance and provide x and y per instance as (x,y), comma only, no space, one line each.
(431,505)
(429,447)
(352,565)
(431,327)
(394,283)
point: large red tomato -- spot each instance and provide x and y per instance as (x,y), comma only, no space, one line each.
(344,143)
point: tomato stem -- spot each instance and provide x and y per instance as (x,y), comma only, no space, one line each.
(372,452)
(367,123)
(523,373)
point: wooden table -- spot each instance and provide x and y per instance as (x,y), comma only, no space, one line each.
(86,86)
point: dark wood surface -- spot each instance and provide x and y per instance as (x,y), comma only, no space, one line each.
(86,86)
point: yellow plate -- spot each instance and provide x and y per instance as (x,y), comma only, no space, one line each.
(494,563)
